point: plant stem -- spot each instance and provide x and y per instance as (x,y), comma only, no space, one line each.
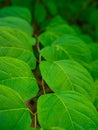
(43,86)
(35,121)
(38,47)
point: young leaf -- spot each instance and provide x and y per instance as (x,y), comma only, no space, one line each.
(70,111)
(65,75)
(17,75)
(17,23)
(14,43)
(16,11)
(14,115)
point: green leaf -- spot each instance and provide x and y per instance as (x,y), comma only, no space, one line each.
(57,20)
(86,38)
(63,29)
(96,99)
(14,43)
(16,11)
(77,29)
(48,37)
(51,6)
(94,50)
(93,17)
(21,36)
(68,47)
(17,23)
(17,75)
(40,13)
(96,31)
(13,40)
(53,128)
(70,111)
(65,75)
(94,70)
(14,114)
(25,3)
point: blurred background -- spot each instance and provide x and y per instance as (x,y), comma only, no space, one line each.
(82,15)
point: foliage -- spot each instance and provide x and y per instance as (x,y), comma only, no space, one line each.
(15,113)
(48,72)
(70,109)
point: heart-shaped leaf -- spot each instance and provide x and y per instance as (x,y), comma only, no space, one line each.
(14,43)
(17,75)
(14,115)
(69,110)
(67,75)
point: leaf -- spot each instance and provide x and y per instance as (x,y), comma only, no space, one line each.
(16,11)
(86,38)
(57,20)
(48,37)
(17,75)
(14,43)
(14,114)
(51,6)
(16,23)
(22,36)
(77,29)
(96,32)
(40,13)
(94,71)
(69,110)
(53,128)
(25,3)
(96,99)
(94,50)
(65,75)
(93,16)
(68,47)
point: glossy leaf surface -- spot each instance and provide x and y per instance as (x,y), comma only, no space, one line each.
(14,22)
(65,75)
(14,115)
(17,75)
(14,43)
(69,110)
